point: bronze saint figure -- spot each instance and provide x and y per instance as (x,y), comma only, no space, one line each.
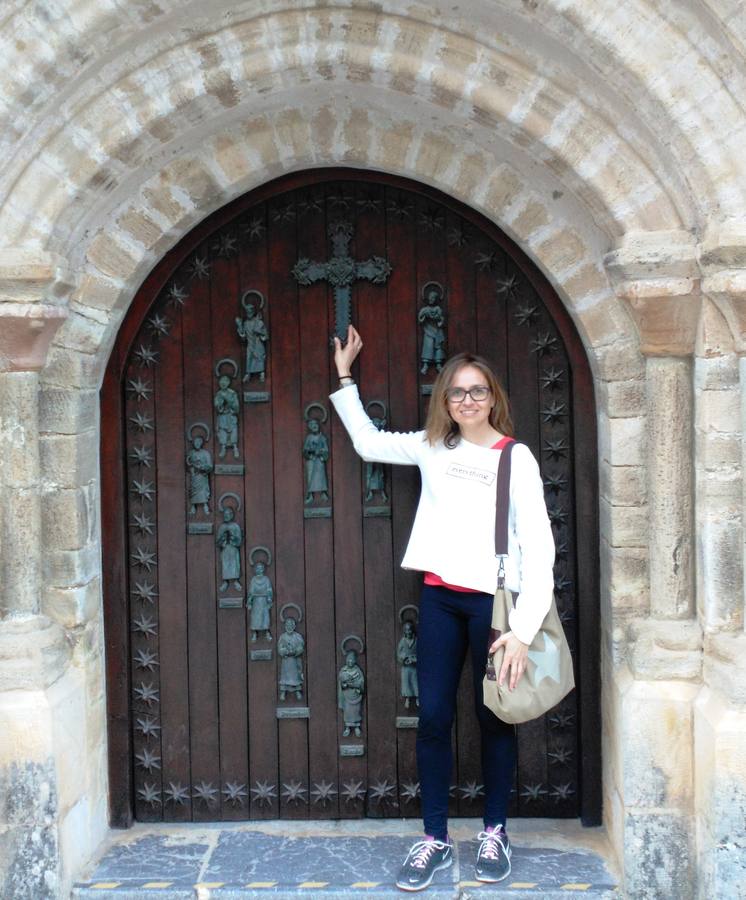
(315,453)
(253,332)
(351,688)
(432,319)
(259,599)
(406,653)
(290,648)
(199,464)
(228,539)
(227,406)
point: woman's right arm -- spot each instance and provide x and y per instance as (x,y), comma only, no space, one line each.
(373,445)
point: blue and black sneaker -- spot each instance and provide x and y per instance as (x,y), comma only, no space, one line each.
(422,862)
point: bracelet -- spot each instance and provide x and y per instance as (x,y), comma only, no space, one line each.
(346,380)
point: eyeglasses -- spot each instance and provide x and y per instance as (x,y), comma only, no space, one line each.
(477,393)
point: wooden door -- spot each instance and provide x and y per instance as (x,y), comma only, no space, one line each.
(228,483)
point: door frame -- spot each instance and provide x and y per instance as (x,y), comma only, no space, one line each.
(113,489)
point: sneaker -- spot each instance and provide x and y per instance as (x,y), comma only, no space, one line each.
(422,862)
(493,856)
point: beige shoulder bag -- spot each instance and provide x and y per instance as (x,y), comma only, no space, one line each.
(549,674)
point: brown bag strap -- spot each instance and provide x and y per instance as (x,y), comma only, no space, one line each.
(503,501)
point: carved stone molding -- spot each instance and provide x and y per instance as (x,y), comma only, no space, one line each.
(34,286)
(666,649)
(656,275)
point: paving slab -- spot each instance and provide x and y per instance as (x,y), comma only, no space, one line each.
(339,860)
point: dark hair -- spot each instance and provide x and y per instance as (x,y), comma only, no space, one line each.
(440,425)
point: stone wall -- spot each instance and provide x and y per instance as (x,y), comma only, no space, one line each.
(605,138)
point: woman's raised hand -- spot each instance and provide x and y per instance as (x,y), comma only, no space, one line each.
(345,356)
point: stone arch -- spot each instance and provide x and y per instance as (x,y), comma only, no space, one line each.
(152,97)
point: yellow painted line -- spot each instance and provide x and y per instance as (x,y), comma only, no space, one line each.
(103,885)
(261,884)
(524,884)
(575,887)
(470,884)
(210,884)
(158,884)
(316,884)
(365,884)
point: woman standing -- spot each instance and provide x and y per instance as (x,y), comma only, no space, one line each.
(452,543)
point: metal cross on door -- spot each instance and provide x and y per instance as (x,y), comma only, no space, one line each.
(341,271)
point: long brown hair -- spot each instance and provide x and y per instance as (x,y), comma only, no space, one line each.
(440,425)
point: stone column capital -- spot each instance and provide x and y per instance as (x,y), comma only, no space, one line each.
(727,290)
(656,275)
(34,289)
(722,260)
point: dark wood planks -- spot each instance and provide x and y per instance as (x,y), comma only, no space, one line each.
(172,587)
(290,736)
(315,317)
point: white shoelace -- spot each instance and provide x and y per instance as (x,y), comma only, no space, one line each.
(491,840)
(421,851)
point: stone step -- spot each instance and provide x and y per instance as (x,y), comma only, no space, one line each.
(340,860)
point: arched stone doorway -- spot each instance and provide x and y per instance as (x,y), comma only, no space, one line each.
(194,703)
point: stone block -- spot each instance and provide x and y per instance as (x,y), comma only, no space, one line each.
(230,155)
(191,176)
(718,411)
(562,251)
(530,219)
(72,607)
(622,399)
(621,441)
(623,485)
(658,855)
(724,667)
(18,429)
(111,258)
(33,654)
(604,321)
(720,796)
(67,411)
(81,333)
(657,744)
(99,293)
(665,650)
(618,361)
(716,452)
(29,861)
(67,713)
(27,792)
(720,573)
(716,373)
(66,518)
(70,369)
(623,526)
(627,574)
(20,534)
(669,453)
(67,568)
(140,227)
(645,254)
(69,460)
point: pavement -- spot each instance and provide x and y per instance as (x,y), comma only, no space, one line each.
(340,861)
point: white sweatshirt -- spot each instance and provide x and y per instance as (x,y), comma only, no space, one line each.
(453,535)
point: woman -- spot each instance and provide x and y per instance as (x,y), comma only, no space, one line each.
(452,542)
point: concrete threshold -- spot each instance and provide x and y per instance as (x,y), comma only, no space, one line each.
(552,858)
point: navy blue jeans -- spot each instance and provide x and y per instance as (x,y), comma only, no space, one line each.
(449,622)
